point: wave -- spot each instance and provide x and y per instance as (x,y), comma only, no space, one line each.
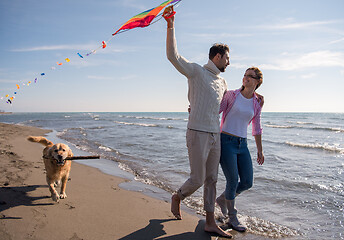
(325,146)
(106,149)
(277,126)
(254,224)
(303,123)
(301,185)
(155,118)
(137,124)
(268,229)
(143,124)
(328,129)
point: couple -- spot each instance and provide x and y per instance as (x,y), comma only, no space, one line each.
(207,94)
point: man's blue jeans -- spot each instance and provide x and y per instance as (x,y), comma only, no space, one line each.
(236,164)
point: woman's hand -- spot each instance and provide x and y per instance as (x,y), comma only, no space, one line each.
(260,158)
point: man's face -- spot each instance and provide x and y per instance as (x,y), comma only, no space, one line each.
(222,62)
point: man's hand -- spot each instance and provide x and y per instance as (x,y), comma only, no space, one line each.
(168,14)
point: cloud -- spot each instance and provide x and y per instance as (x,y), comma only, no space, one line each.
(8,81)
(80,47)
(100,77)
(301,61)
(134,4)
(307,76)
(212,36)
(337,41)
(56,47)
(91,62)
(128,77)
(296,25)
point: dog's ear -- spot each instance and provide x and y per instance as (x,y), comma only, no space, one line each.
(47,153)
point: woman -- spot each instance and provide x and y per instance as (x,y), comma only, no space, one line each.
(239,108)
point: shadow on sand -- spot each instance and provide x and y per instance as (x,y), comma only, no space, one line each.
(11,197)
(155,229)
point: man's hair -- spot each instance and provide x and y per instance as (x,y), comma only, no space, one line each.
(218,48)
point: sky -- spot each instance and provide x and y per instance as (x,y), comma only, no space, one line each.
(297,44)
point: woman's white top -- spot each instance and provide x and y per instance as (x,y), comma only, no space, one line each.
(239,117)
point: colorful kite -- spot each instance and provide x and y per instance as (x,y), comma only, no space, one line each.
(143,19)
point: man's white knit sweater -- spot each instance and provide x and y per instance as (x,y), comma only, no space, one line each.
(206,88)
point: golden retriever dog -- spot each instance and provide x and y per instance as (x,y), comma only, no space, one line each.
(56,166)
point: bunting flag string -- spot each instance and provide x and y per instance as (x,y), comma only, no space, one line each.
(142,20)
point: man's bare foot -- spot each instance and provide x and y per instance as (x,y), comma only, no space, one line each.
(217,230)
(175,206)
(211,226)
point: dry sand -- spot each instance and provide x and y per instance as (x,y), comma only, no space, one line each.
(96,208)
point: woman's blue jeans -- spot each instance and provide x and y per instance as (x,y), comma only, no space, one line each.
(236,164)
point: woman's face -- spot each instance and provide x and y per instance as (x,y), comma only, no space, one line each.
(250,79)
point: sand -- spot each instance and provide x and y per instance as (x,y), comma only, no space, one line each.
(96,208)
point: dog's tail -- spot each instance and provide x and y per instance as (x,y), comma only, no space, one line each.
(41,140)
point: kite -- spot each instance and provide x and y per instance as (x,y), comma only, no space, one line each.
(145,18)
(142,20)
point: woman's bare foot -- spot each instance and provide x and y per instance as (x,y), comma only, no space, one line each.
(175,206)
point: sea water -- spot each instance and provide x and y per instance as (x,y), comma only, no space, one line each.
(297,193)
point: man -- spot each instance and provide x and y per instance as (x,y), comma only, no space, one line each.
(206,89)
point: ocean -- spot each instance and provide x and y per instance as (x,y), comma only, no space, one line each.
(298,193)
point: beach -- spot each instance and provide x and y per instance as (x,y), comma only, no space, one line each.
(96,207)
(297,192)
